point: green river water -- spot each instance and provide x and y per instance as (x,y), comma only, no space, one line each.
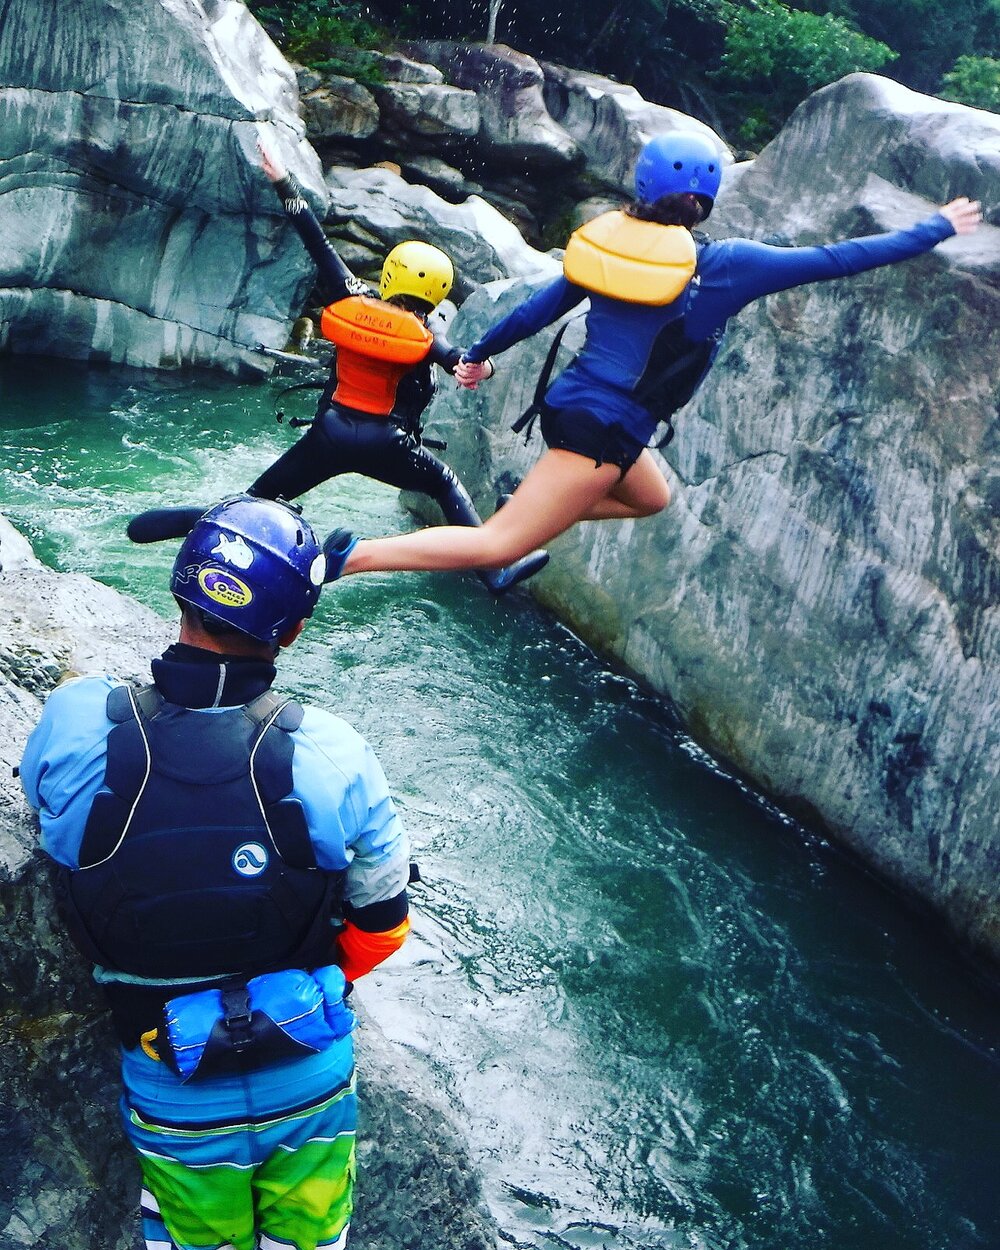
(664,1016)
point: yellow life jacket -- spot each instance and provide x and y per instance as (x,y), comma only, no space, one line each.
(639,262)
(377,344)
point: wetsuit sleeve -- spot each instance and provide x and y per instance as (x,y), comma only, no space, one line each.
(335,280)
(64,763)
(546,305)
(755,269)
(360,950)
(354,825)
(444,354)
(350,814)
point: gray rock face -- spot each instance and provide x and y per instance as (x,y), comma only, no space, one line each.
(372,210)
(516,126)
(67,1178)
(425,110)
(822,598)
(339,108)
(609,122)
(135,225)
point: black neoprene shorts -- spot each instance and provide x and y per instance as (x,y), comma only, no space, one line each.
(576,429)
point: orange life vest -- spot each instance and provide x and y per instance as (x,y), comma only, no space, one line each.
(377,345)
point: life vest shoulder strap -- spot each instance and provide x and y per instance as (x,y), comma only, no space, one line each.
(375,328)
(639,262)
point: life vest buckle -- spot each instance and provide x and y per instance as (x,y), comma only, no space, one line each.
(236,1017)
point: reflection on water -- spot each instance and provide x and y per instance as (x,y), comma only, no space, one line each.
(666,1016)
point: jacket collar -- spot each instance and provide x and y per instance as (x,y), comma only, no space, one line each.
(195,678)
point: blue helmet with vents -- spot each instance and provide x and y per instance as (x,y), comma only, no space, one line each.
(254,564)
(677,162)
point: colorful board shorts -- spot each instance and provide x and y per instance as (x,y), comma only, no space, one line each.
(265,1160)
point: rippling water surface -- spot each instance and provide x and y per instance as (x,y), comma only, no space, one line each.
(666,1017)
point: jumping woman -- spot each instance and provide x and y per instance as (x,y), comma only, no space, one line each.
(367,420)
(660,297)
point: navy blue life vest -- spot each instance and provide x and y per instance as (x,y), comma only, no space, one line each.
(195,861)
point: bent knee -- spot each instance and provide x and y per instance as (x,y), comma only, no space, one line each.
(655,502)
(499,545)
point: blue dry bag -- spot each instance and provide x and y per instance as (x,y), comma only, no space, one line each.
(241,1027)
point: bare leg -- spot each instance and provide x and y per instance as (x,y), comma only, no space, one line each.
(559,490)
(643,491)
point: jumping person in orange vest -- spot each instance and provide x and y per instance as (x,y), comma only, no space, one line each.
(368,417)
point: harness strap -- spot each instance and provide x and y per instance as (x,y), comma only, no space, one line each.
(279,413)
(659,381)
(526,421)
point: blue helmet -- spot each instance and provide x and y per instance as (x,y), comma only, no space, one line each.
(252,563)
(679,161)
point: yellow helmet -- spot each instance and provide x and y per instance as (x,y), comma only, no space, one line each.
(417,269)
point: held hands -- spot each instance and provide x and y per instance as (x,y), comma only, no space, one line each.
(469,373)
(964,214)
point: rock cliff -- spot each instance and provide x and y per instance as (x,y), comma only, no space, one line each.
(135,226)
(822,598)
(67,1178)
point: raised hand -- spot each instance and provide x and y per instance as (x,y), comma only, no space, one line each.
(964,214)
(272,168)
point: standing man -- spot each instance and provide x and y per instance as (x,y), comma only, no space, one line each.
(231,862)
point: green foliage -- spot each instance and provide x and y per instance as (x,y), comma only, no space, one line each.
(928,35)
(775,56)
(330,36)
(974,80)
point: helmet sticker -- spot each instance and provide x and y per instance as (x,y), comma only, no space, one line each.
(233,551)
(223,587)
(250,859)
(317,570)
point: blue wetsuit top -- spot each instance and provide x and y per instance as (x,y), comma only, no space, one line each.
(352,822)
(731,274)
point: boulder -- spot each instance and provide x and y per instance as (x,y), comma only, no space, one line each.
(136,226)
(377,209)
(425,110)
(517,130)
(822,598)
(338,108)
(610,121)
(444,179)
(68,1177)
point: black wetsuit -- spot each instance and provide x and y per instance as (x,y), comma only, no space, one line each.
(347,440)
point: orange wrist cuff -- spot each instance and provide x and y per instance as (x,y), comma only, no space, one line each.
(358,952)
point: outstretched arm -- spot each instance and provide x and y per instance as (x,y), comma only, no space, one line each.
(737,271)
(546,305)
(335,279)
